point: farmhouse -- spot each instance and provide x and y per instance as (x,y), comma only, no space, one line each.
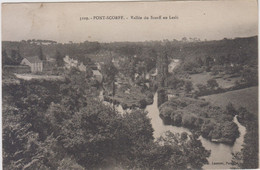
(34,63)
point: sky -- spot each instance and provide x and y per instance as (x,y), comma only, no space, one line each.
(211,20)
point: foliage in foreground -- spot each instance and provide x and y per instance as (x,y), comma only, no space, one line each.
(53,125)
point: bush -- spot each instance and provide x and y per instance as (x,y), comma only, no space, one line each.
(188,121)
(212,83)
(188,86)
(178,119)
(206,128)
(143,103)
(230,109)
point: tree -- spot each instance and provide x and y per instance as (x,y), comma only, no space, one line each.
(178,151)
(13,55)
(149,57)
(201,87)
(250,76)
(212,83)
(184,39)
(175,82)
(5,58)
(138,124)
(188,86)
(127,67)
(75,90)
(59,59)
(41,55)
(109,72)
(199,61)
(230,109)
(162,96)
(143,103)
(209,61)
(140,68)
(20,143)
(15,58)
(250,150)
(237,160)
(88,134)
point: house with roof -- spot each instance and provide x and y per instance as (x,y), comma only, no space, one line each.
(35,64)
(97,75)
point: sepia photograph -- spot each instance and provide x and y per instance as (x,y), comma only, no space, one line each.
(159,85)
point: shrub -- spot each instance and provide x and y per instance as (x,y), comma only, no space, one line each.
(230,109)
(178,119)
(143,103)
(212,83)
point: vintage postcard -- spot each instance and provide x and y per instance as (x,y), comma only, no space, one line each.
(130,85)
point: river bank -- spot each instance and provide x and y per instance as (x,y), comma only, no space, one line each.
(131,103)
(219,131)
(201,117)
(216,159)
(128,94)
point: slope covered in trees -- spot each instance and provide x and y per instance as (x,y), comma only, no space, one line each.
(238,50)
(62,124)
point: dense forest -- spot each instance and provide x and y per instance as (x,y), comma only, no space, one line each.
(238,50)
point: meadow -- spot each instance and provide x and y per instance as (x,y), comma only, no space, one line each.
(224,81)
(247,98)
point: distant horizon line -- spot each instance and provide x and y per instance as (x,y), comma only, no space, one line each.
(188,40)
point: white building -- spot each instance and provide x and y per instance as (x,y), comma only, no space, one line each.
(172,65)
(34,63)
(70,62)
(82,67)
(97,75)
(115,61)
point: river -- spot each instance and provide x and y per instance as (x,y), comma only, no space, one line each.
(221,154)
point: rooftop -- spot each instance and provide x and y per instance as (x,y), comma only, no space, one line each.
(97,73)
(33,59)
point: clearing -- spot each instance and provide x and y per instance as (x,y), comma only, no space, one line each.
(223,81)
(247,98)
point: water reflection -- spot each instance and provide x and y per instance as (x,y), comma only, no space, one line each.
(221,154)
(157,122)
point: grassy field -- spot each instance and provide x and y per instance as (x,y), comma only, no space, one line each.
(247,98)
(224,82)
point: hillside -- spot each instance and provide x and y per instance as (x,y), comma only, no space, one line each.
(244,49)
(248,101)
